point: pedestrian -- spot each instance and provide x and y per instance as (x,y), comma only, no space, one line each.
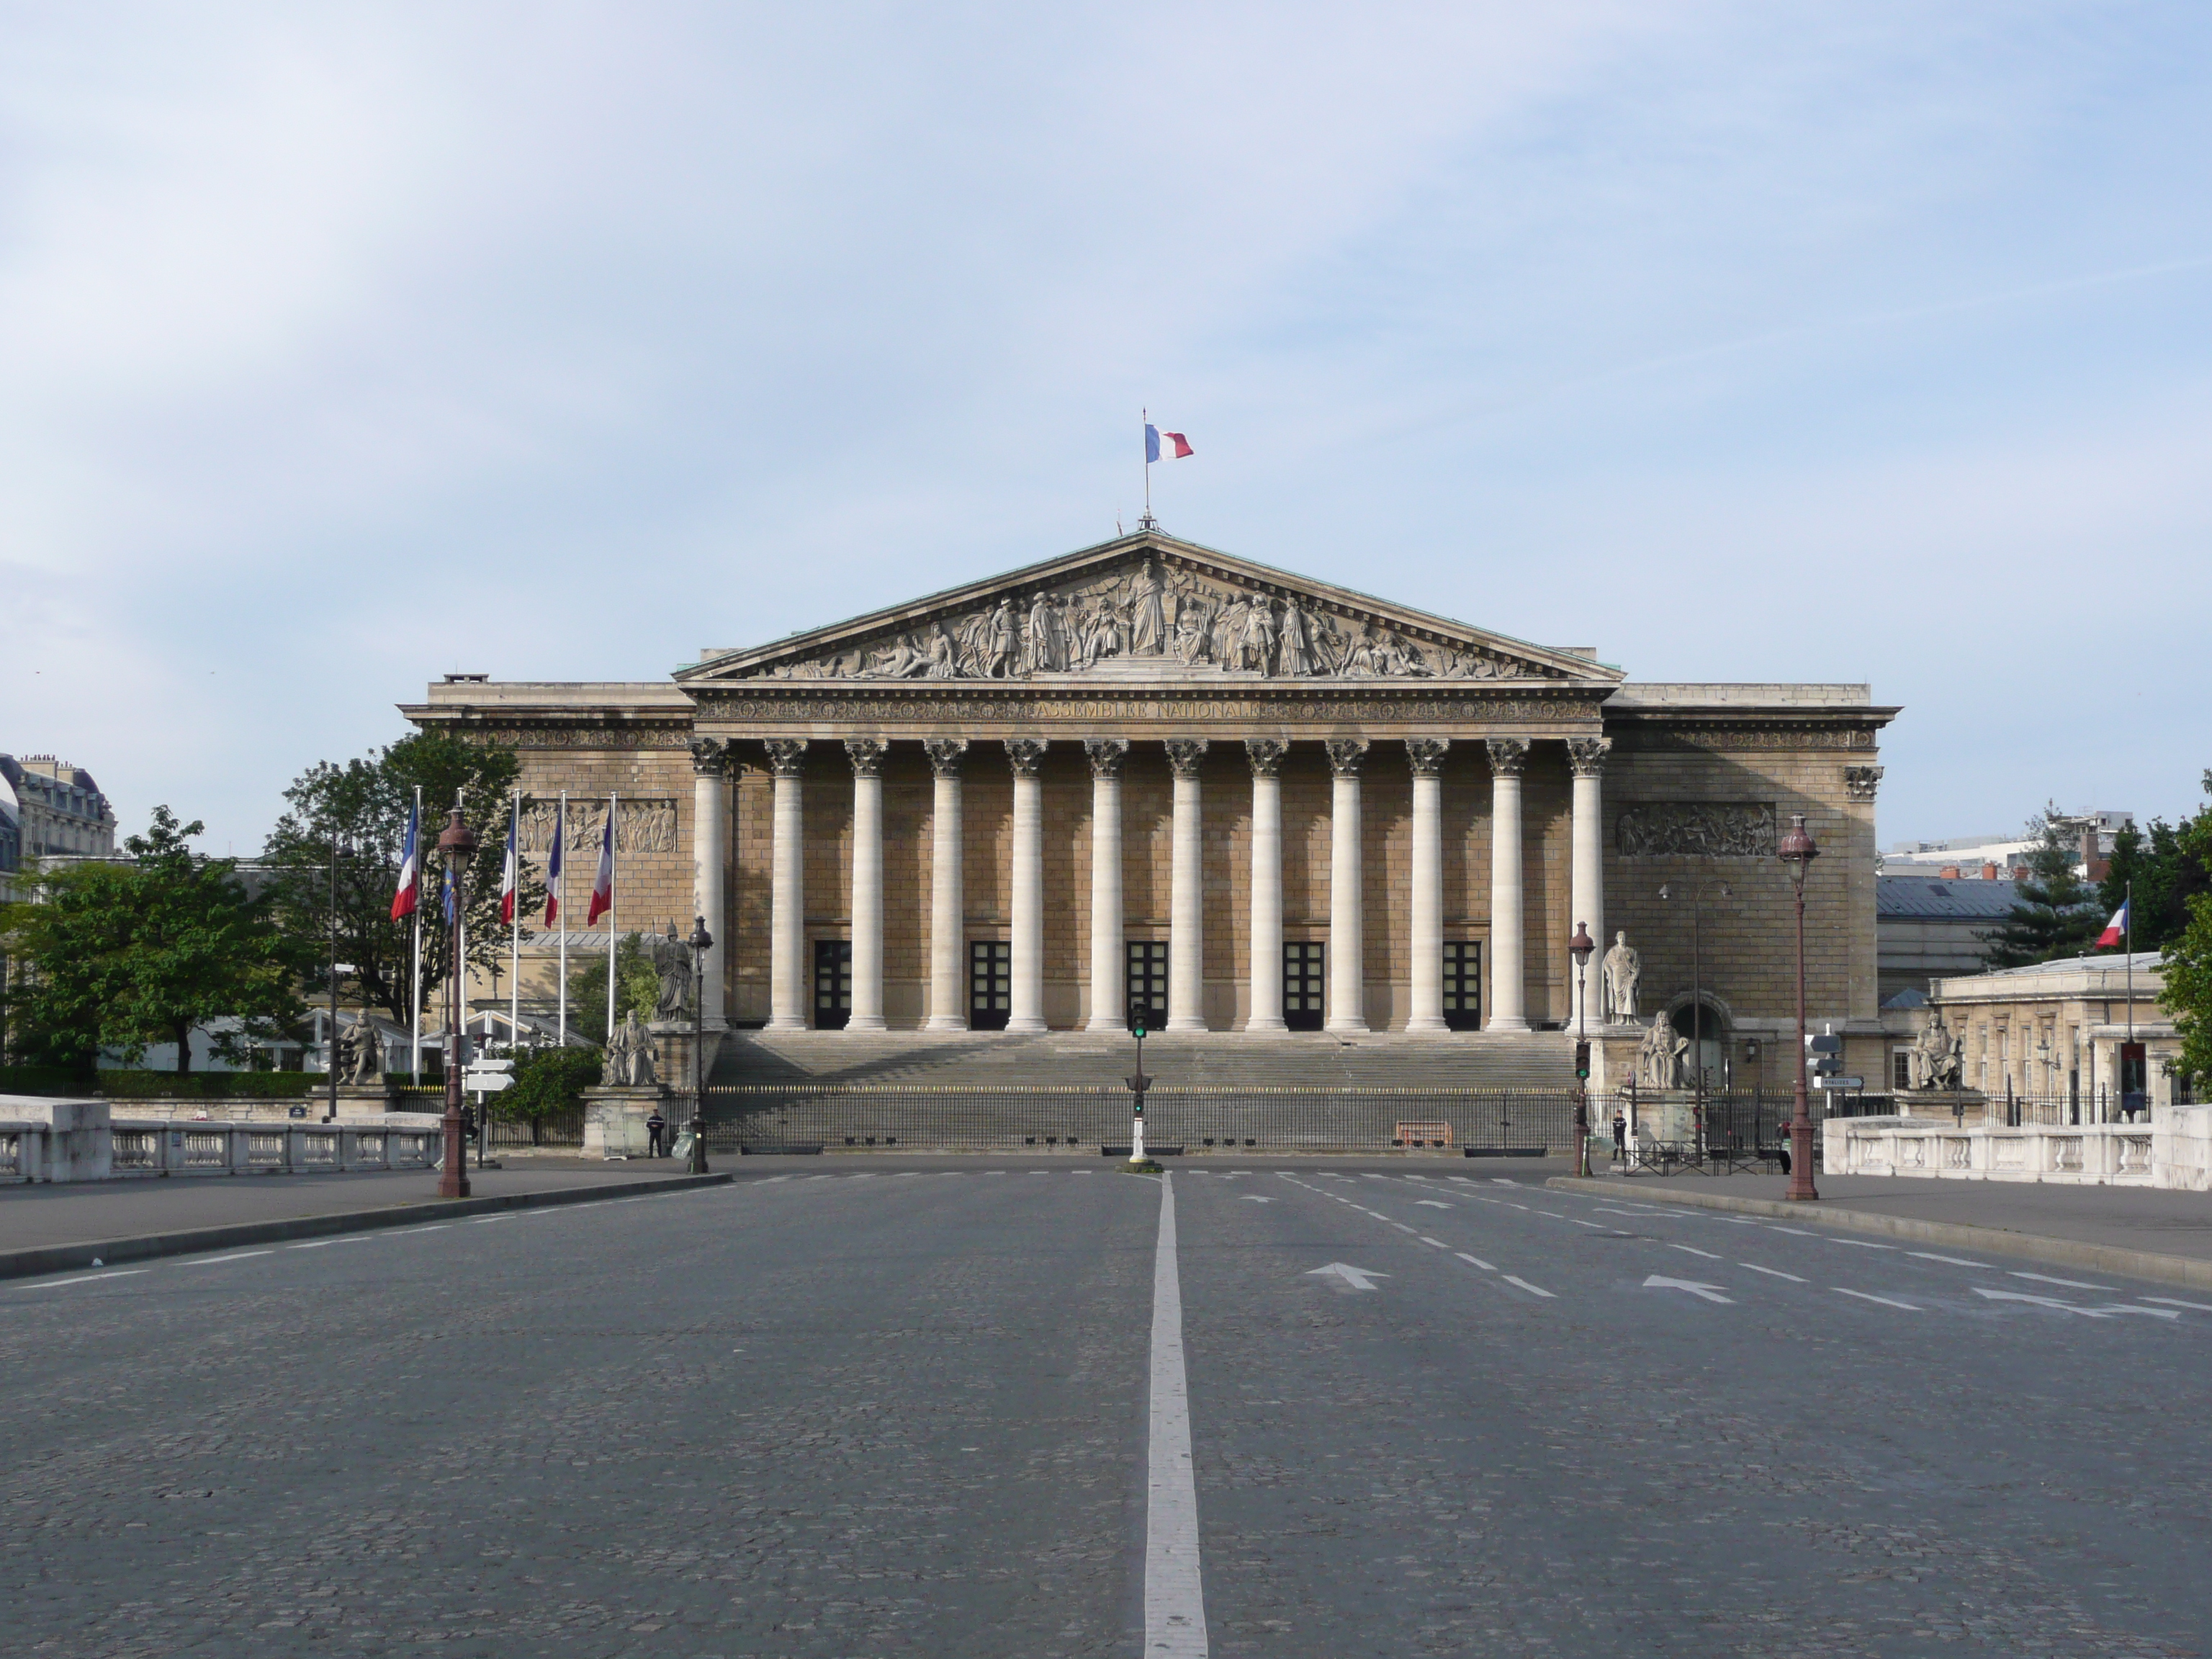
(1785,1154)
(1620,1136)
(655,1127)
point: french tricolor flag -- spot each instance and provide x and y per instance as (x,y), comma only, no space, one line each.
(507,876)
(553,862)
(2116,929)
(410,869)
(603,884)
(1165,445)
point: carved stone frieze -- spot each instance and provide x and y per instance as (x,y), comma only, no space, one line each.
(867,755)
(1106,755)
(613,734)
(1586,755)
(1508,756)
(1807,735)
(786,756)
(1265,755)
(1185,755)
(1860,782)
(1346,756)
(1743,830)
(770,704)
(1426,755)
(1025,754)
(945,755)
(647,825)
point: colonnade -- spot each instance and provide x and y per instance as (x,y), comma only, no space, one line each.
(790,994)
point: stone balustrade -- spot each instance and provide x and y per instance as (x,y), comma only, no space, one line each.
(2089,1154)
(77,1141)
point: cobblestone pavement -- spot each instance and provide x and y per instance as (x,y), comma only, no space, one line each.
(903,1409)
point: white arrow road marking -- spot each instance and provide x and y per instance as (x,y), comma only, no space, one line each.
(1532,1290)
(1952,1261)
(1358,1279)
(1694,1250)
(2039,1301)
(1709,1293)
(1775,1272)
(2117,1307)
(1476,1260)
(1432,1203)
(2071,1284)
(1863,1295)
(2176,1302)
(1255,1198)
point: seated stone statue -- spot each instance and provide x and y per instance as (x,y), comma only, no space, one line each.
(1659,1061)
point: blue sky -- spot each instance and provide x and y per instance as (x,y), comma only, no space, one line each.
(342,346)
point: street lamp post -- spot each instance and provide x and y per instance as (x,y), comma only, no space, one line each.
(1580,947)
(456,846)
(702,942)
(1797,853)
(338,848)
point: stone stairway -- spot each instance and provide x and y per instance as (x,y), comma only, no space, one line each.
(1464,1060)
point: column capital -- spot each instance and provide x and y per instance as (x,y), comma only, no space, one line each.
(1025,754)
(1587,755)
(1106,755)
(867,755)
(786,756)
(710,757)
(1861,782)
(1185,755)
(1508,756)
(1265,755)
(945,755)
(1346,756)
(1426,755)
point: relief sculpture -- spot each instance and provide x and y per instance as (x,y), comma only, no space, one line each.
(645,825)
(1703,829)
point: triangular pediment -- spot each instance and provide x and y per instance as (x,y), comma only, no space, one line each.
(1147,608)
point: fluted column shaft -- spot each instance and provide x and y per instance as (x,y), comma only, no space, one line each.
(787,987)
(1507,996)
(1587,756)
(1266,973)
(710,853)
(1187,892)
(867,756)
(1110,988)
(1347,931)
(1427,929)
(1025,1001)
(948,966)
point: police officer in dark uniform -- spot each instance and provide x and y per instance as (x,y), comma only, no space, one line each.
(655,1127)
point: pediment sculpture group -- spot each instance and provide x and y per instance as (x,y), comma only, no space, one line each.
(1176,616)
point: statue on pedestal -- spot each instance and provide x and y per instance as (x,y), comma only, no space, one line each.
(361,1055)
(1621,973)
(1659,1062)
(671,959)
(628,1063)
(1935,1058)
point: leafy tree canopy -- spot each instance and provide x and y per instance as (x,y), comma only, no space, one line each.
(2055,913)
(2163,875)
(2188,995)
(363,805)
(122,955)
(637,989)
(548,1080)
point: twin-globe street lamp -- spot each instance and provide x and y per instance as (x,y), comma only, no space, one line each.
(456,846)
(1580,947)
(1797,853)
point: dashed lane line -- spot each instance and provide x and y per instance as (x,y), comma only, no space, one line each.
(1862,1244)
(1532,1290)
(1953,1261)
(1776,1272)
(2176,1302)
(89,1279)
(1692,1249)
(217,1260)
(2071,1284)
(1476,1260)
(1868,1296)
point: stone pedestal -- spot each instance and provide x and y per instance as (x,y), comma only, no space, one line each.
(358,1100)
(671,1052)
(614,1121)
(1959,1106)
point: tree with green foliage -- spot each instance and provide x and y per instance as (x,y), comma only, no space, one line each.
(2161,876)
(364,805)
(637,989)
(121,956)
(2055,914)
(2188,995)
(546,1081)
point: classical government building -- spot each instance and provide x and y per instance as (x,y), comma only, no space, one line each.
(1151,775)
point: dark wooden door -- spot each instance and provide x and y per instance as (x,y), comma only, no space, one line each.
(990,984)
(1463,985)
(1148,981)
(1303,978)
(832,983)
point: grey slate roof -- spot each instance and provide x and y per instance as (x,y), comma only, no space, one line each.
(1934,898)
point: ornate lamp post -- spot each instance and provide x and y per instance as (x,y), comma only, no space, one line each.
(702,941)
(456,846)
(1580,947)
(1797,853)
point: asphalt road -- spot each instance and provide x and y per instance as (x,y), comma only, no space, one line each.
(935,1410)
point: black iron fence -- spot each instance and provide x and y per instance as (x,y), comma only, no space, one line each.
(1090,1119)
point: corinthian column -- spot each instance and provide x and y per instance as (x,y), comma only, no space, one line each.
(867,757)
(710,853)
(1507,756)
(1587,756)
(1347,933)
(1187,893)
(787,971)
(1265,755)
(1109,985)
(1025,1003)
(948,903)
(1426,755)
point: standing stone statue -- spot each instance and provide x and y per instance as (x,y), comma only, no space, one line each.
(671,960)
(1659,1062)
(364,1052)
(1148,620)
(1297,657)
(1621,973)
(1002,645)
(1258,645)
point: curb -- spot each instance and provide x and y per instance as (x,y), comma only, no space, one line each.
(2000,1241)
(148,1246)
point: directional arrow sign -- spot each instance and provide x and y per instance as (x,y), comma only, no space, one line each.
(1711,1293)
(486,1083)
(2106,1312)
(1356,1278)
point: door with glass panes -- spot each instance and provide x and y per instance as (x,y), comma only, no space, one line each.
(832,983)
(1304,961)
(1148,981)
(990,984)
(1463,985)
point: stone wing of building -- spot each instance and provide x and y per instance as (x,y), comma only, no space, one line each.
(1147,608)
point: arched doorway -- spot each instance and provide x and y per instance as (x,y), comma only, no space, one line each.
(1704,1024)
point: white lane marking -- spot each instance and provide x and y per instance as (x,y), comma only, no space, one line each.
(2071,1284)
(1431,1203)
(1438,1243)
(1800,1231)
(2121,1307)
(1736,1221)
(1774,1272)
(1358,1279)
(1865,1295)
(1709,1292)
(1477,1260)
(1692,1249)
(56,1284)
(1532,1290)
(481,1220)
(1249,1198)
(1863,1244)
(1087,1172)
(2024,1296)
(2176,1302)
(1402,1227)
(1953,1261)
(217,1260)
(319,1244)
(434,1227)
(1175,1595)
(1502,1182)
(770,1181)
(1579,1222)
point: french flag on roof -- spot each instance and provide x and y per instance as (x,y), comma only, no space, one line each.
(603,884)
(1165,445)
(2116,929)
(409,892)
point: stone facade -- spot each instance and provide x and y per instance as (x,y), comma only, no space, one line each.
(1364,752)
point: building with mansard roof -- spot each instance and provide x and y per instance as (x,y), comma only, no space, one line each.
(1151,775)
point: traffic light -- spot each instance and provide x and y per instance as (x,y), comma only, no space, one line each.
(1582,1061)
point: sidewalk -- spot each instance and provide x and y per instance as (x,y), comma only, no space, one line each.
(91,1212)
(2151,1232)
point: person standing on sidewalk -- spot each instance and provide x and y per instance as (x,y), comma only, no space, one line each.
(655,1127)
(1619,1137)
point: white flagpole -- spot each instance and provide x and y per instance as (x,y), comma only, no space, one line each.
(1146,416)
(561,907)
(514,934)
(415,1002)
(614,887)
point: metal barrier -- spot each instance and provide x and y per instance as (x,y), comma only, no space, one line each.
(1084,1119)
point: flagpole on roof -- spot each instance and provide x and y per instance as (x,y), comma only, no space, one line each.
(515,933)
(1146,416)
(614,799)
(561,904)
(415,1002)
